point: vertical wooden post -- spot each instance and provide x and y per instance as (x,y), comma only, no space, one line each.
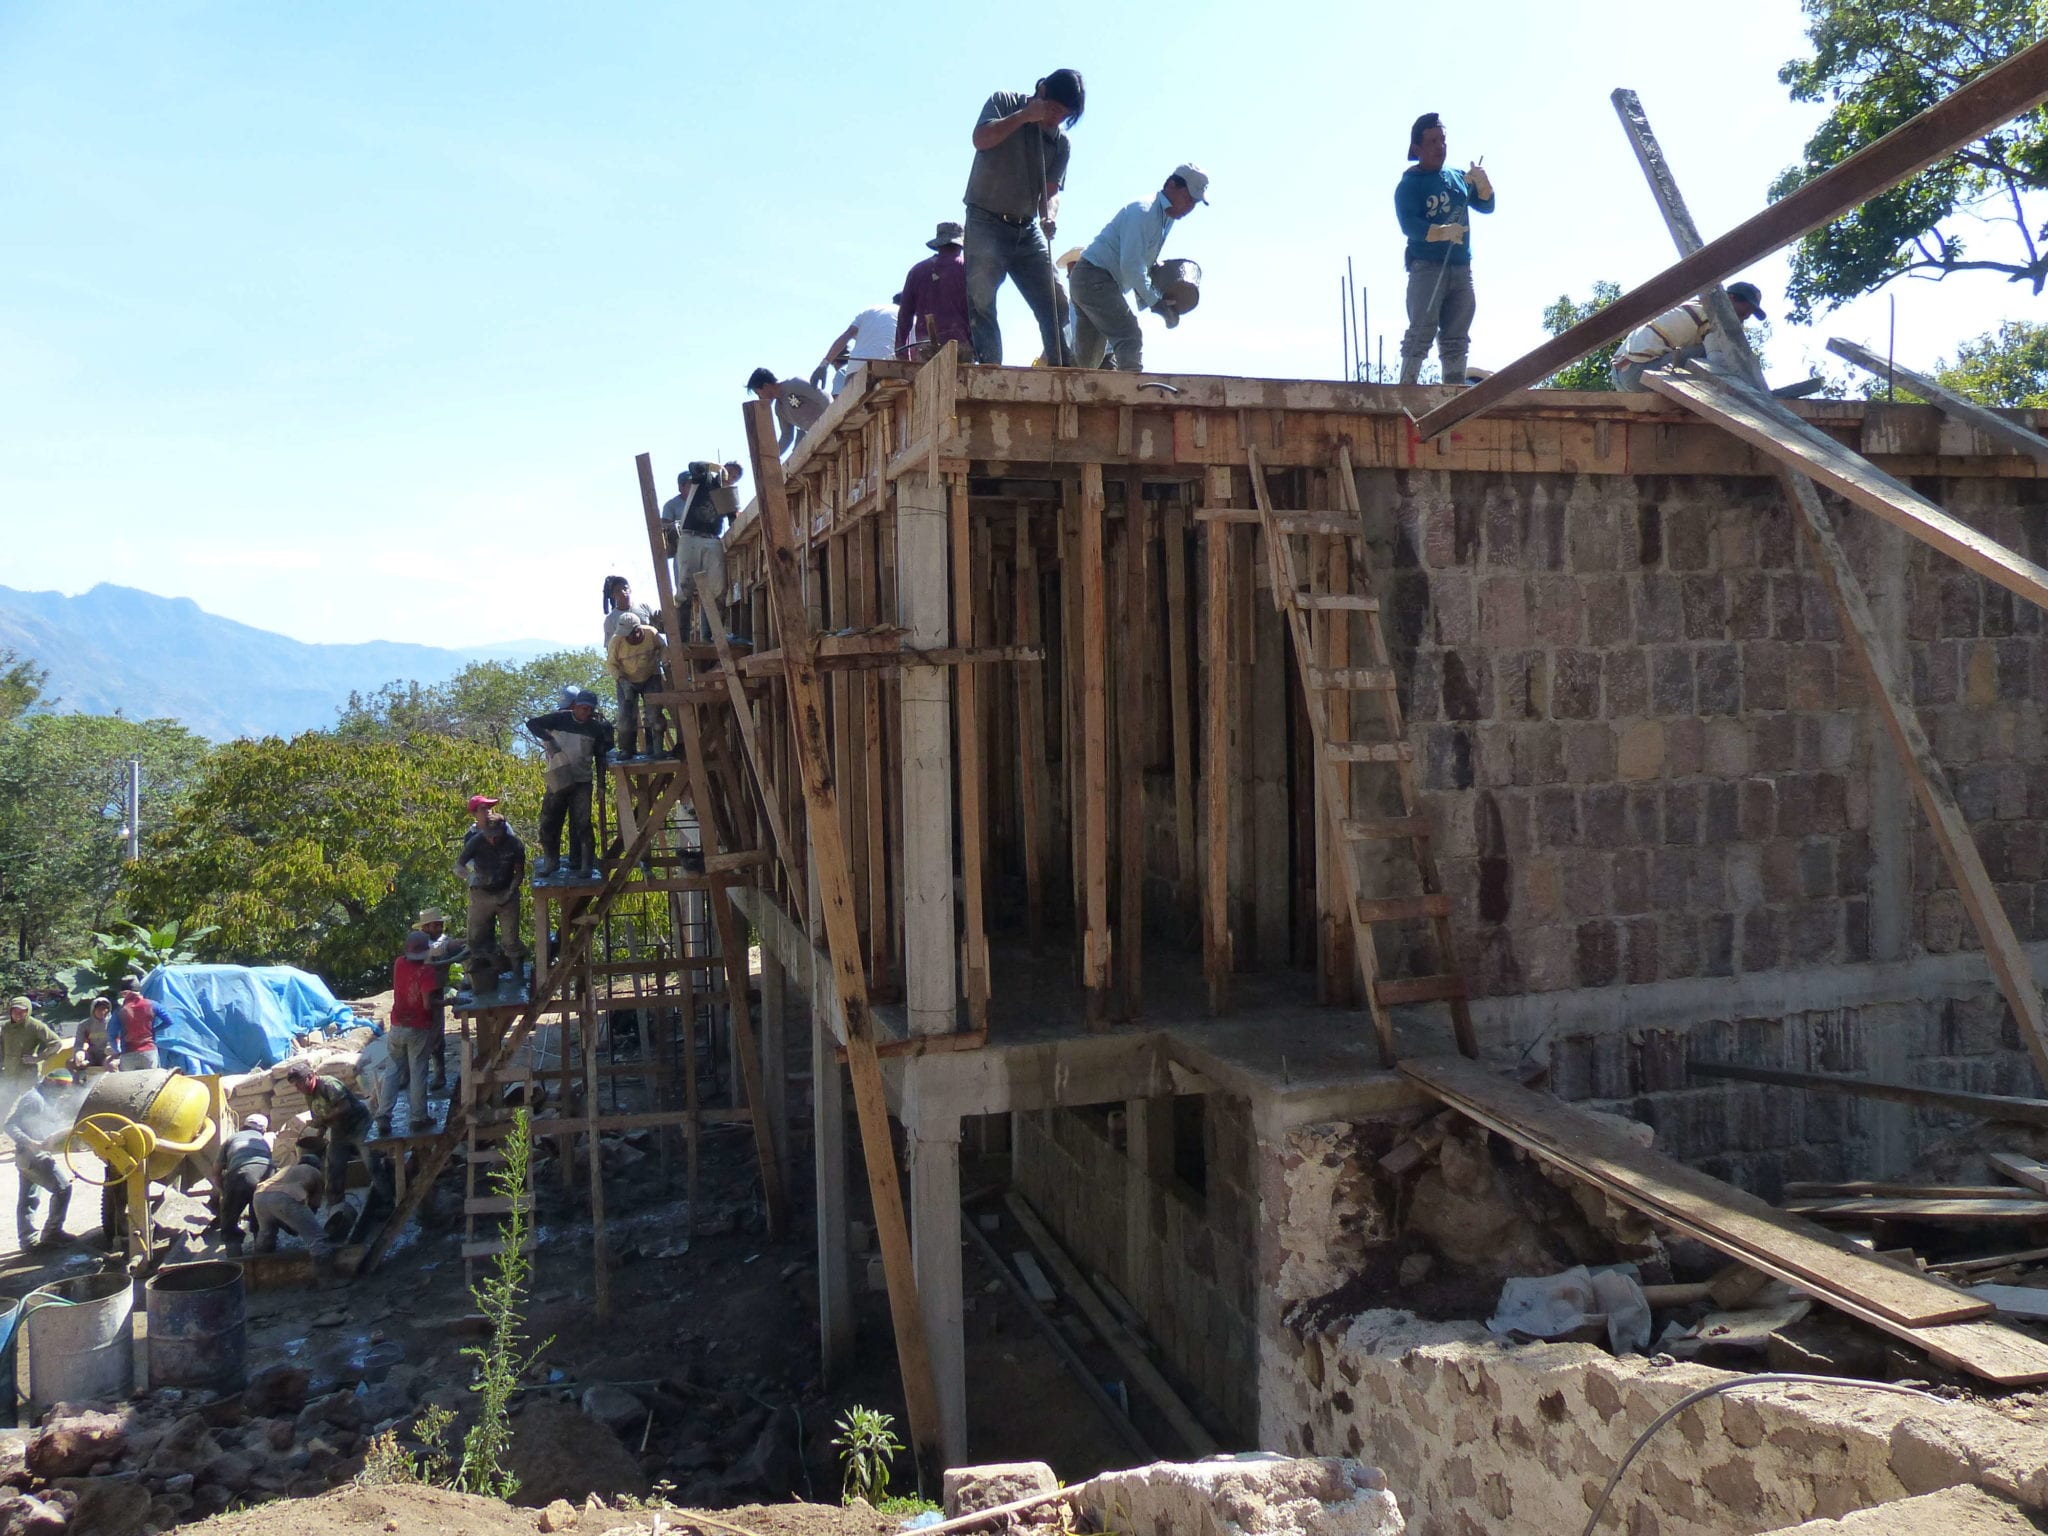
(835,887)
(1094,664)
(1180,687)
(1134,644)
(1216,749)
(600,1243)
(929,991)
(967,718)
(1031,735)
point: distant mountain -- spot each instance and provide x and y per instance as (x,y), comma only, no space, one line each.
(149,657)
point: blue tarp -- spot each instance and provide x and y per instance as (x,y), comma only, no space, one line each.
(236,1018)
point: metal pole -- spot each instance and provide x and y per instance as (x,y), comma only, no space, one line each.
(133,808)
(1344,325)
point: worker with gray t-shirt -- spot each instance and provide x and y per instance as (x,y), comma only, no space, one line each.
(1013,193)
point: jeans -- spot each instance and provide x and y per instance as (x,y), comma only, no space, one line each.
(36,1172)
(1440,309)
(237,1189)
(571,802)
(1629,376)
(409,1050)
(628,694)
(997,249)
(286,1208)
(344,1145)
(493,932)
(1104,320)
(138,1061)
(697,552)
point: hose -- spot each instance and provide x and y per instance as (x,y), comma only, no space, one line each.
(1759,1379)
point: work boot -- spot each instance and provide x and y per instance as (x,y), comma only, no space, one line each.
(1411,369)
(1457,366)
(692,860)
(544,870)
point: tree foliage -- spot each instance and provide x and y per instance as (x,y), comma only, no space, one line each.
(21,684)
(318,851)
(1881,62)
(62,782)
(134,951)
(2007,368)
(1592,370)
(486,702)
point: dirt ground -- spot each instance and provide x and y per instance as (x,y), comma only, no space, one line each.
(432,1512)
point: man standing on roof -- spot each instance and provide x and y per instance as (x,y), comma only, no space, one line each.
(1682,334)
(1119,261)
(138,1028)
(798,407)
(492,863)
(1431,202)
(694,517)
(574,741)
(933,309)
(870,336)
(1013,197)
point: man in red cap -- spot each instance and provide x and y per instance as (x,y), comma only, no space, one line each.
(492,864)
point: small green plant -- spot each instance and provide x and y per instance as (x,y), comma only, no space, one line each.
(866,1440)
(500,1296)
(904,1505)
(388,1462)
(136,952)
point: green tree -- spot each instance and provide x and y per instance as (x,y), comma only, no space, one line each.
(318,851)
(1881,62)
(2008,368)
(486,702)
(61,820)
(21,685)
(1590,371)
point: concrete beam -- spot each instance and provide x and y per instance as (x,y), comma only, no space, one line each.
(935,1254)
(922,597)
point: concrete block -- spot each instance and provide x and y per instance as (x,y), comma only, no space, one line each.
(1257,1493)
(969,1490)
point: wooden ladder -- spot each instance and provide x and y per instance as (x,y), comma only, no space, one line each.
(1320,617)
(486,1123)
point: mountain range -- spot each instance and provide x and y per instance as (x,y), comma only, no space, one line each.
(117,649)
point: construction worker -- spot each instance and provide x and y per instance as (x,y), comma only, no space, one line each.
(798,407)
(1682,334)
(492,863)
(93,1044)
(341,1118)
(932,308)
(694,518)
(39,1125)
(618,597)
(573,741)
(447,950)
(24,1041)
(245,1162)
(1013,195)
(137,1016)
(1119,261)
(410,1039)
(288,1199)
(1431,203)
(633,658)
(869,336)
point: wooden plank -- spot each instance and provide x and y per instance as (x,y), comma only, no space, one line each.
(1144,1374)
(1093,661)
(1880,1208)
(1993,1262)
(807,722)
(1180,695)
(1216,714)
(1735,1221)
(1996,96)
(743,715)
(1877,1188)
(1133,637)
(1995,1107)
(1947,401)
(600,1241)
(1032,788)
(967,728)
(2025,1171)
(1806,450)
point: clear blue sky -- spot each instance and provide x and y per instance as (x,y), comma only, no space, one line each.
(347,320)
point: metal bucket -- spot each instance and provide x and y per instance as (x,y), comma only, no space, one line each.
(85,1350)
(10,1366)
(198,1332)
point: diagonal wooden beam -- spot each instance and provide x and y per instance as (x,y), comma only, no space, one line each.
(743,713)
(1996,96)
(842,932)
(1945,400)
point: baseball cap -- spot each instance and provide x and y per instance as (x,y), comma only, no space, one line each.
(256,1122)
(480,803)
(1196,178)
(1751,295)
(586,697)
(417,945)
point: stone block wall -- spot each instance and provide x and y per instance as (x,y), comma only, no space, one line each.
(1183,1260)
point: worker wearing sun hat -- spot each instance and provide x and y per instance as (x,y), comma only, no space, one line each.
(1119,261)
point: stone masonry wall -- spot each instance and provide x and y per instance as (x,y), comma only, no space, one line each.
(1186,1264)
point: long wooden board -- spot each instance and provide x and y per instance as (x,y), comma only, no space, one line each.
(1906,1208)
(1995,1107)
(2021,1170)
(1733,1220)
(1947,401)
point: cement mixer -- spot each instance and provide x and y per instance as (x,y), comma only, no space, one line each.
(143,1126)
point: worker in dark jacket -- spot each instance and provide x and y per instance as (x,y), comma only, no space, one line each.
(573,741)
(340,1116)
(492,863)
(245,1162)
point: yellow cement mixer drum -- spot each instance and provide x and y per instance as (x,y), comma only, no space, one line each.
(171,1104)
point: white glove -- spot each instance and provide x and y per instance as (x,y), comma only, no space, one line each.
(1442,234)
(1480,183)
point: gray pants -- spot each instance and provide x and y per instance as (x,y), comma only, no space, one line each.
(1629,376)
(36,1172)
(997,249)
(493,932)
(1440,309)
(138,1061)
(1104,322)
(697,552)
(410,1049)
(285,1208)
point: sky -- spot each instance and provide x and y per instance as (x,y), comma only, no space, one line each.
(348,320)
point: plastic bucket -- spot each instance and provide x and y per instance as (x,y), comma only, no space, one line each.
(81,1340)
(198,1326)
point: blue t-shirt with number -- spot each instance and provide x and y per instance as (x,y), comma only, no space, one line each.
(1423,198)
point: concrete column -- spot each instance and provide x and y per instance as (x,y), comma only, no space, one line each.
(828,1157)
(1148,1152)
(922,599)
(1894,815)
(935,1254)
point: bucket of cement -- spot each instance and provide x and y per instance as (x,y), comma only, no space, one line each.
(81,1340)
(198,1332)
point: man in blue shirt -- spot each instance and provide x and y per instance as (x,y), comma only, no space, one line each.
(1119,261)
(1431,203)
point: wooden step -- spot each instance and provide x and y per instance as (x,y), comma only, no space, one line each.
(1401,909)
(1385,829)
(494,1247)
(1417,989)
(1354,679)
(488,1205)
(1348,602)
(1369,751)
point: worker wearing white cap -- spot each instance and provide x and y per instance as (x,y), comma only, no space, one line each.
(1119,261)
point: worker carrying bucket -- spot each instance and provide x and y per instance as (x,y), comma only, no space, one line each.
(1123,259)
